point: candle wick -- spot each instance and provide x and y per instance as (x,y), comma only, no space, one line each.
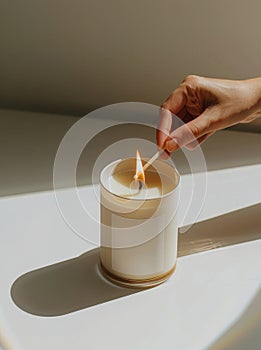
(140,184)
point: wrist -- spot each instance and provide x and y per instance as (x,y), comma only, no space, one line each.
(255,86)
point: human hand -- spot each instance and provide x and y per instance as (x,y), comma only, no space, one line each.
(206,105)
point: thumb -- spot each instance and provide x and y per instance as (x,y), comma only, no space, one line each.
(189,132)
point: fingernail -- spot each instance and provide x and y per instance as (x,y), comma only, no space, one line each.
(172,145)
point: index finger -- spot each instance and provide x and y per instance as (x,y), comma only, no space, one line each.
(164,126)
(174,104)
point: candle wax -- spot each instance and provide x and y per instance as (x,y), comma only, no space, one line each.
(123,184)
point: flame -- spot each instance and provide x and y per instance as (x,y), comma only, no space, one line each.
(139,168)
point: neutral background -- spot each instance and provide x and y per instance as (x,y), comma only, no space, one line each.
(71,57)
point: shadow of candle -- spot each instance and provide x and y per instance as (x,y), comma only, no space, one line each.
(65,287)
(76,284)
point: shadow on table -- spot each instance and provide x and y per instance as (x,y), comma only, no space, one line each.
(76,284)
(65,287)
(236,227)
(245,332)
(233,228)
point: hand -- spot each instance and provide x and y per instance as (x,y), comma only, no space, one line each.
(206,105)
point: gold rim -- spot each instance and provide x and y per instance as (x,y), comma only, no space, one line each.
(134,282)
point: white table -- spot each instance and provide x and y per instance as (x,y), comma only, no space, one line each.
(62,303)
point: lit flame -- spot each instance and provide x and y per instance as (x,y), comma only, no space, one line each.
(139,168)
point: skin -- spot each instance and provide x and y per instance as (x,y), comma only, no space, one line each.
(206,105)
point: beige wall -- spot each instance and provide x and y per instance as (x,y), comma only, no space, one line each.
(73,56)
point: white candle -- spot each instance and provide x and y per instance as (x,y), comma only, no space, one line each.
(138,228)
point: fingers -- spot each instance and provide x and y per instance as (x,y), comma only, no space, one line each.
(165,155)
(189,133)
(174,104)
(199,141)
(164,127)
(176,101)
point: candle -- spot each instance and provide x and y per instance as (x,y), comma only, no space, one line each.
(138,222)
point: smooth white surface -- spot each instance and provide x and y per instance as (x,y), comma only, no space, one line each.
(207,293)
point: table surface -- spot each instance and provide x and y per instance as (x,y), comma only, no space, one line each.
(52,296)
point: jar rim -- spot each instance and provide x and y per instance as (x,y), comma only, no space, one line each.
(114,163)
